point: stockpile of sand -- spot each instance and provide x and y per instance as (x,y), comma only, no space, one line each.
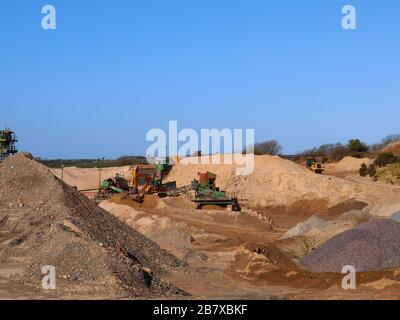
(150,201)
(276,181)
(356,216)
(383,209)
(45,222)
(313,224)
(347,164)
(371,246)
(169,235)
(88,178)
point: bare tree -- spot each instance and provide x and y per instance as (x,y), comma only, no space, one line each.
(271,147)
(390,139)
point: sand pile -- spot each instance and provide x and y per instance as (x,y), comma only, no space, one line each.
(169,235)
(88,178)
(45,222)
(150,201)
(347,164)
(357,216)
(383,209)
(253,260)
(276,181)
(371,246)
(313,224)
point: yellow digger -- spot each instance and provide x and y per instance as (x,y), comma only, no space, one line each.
(315,165)
(148,179)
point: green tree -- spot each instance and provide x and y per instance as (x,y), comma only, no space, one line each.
(355,145)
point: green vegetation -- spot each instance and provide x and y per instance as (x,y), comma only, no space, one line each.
(94,163)
(386,158)
(356,146)
(363,170)
(390,174)
(367,171)
(386,168)
(335,152)
(371,170)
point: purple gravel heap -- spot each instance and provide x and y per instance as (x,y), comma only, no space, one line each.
(371,246)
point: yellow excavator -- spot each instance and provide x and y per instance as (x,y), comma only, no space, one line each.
(315,165)
(148,179)
(142,176)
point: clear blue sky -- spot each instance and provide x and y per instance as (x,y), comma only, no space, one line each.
(115,69)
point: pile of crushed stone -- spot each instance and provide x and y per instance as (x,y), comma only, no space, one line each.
(395,216)
(371,246)
(43,221)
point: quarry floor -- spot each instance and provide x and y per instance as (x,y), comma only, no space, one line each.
(219,236)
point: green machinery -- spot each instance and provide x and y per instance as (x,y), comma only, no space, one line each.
(110,186)
(8,142)
(146,179)
(207,193)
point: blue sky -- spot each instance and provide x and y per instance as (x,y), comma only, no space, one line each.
(115,69)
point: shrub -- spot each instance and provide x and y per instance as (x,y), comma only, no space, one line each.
(271,147)
(372,170)
(327,151)
(355,145)
(386,158)
(363,170)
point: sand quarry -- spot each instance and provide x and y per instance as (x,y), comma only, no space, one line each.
(296,231)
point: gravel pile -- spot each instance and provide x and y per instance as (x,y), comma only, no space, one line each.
(371,246)
(396,216)
(43,221)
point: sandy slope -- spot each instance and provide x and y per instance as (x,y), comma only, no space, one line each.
(276,181)
(83,178)
(347,164)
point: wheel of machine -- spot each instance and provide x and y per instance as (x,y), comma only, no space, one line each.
(235,206)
